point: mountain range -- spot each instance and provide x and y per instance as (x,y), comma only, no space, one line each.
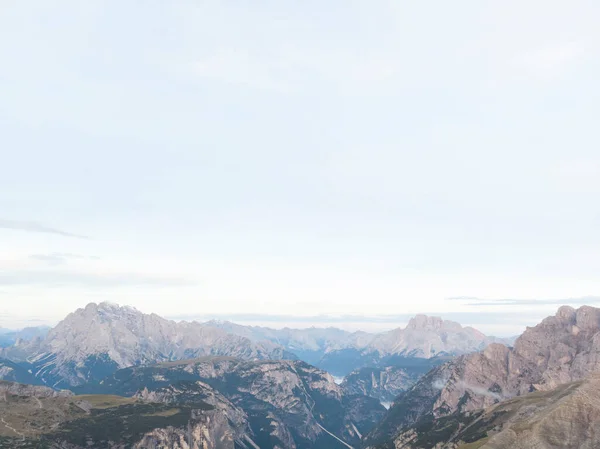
(10,337)
(341,352)
(561,349)
(95,341)
(218,402)
(92,342)
(139,381)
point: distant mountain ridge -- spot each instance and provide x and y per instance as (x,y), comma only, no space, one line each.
(93,342)
(10,337)
(309,344)
(428,336)
(341,352)
(96,340)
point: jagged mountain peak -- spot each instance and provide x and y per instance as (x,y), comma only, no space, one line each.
(421,321)
(427,322)
(102,312)
(110,308)
(566,312)
(429,336)
(584,317)
(95,340)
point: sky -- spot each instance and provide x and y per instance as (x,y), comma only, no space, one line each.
(314,163)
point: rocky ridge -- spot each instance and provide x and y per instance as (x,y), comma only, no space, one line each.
(92,342)
(424,338)
(566,417)
(39,417)
(289,404)
(562,348)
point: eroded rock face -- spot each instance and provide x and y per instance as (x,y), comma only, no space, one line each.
(302,404)
(427,336)
(384,384)
(565,417)
(570,422)
(222,427)
(206,430)
(287,404)
(562,348)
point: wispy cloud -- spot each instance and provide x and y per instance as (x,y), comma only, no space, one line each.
(63,278)
(60,258)
(31,226)
(547,61)
(541,62)
(390,320)
(290,68)
(475,301)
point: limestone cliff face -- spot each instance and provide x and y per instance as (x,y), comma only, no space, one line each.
(95,341)
(428,336)
(287,404)
(418,345)
(206,430)
(567,417)
(384,384)
(562,348)
(568,420)
(225,424)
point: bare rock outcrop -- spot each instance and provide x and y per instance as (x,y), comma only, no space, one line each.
(562,348)
(95,341)
(567,417)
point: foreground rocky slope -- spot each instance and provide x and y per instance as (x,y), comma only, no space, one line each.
(567,417)
(93,342)
(562,348)
(289,404)
(39,417)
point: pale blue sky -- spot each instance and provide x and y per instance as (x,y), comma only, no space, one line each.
(298,158)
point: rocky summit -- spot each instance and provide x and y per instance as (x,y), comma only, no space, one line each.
(424,338)
(93,342)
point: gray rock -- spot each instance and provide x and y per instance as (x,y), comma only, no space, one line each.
(384,384)
(91,343)
(562,348)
